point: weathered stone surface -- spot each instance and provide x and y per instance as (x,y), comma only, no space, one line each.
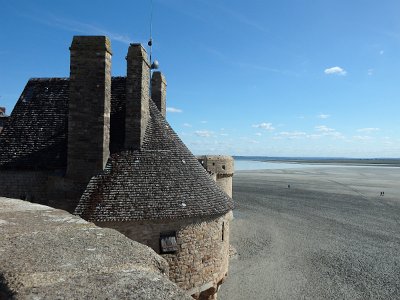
(159,91)
(221,169)
(201,261)
(89,107)
(137,96)
(47,253)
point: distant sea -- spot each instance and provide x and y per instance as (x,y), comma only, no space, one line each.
(265,162)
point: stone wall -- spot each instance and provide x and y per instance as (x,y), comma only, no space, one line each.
(47,253)
(43,187)
(27,185)
(201,262)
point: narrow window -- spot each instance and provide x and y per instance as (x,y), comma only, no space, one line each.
(168,242)
(223,230)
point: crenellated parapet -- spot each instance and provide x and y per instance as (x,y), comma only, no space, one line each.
(221,169)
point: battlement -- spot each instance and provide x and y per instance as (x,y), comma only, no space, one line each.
(217,164)
(221,169)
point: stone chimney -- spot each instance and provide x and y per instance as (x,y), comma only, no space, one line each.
(159,91)
(89,107)
(137,96)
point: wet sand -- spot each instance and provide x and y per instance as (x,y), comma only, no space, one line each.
(329,236)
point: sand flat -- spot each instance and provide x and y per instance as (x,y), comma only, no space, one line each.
(330,236)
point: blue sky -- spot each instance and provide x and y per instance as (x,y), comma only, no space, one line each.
(274,78)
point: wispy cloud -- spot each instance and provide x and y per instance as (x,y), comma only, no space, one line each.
(204,133)
(187,125)
(203,122)
(239,17)
(77,26)
(323,128)
(362,137)
(368,129)
(292,134)
(323,116)
(266,126)
(327,131)
(174,110)
(335,71)
(265,68)
(258,134)
(370,72)
(381,52)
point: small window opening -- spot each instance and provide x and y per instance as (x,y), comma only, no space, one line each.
(168,242)
(213,164)
(223,230)
(223,167)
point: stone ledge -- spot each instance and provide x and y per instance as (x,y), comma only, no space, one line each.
(47,253)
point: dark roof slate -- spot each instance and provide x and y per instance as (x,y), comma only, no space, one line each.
(162,180)
(35,135)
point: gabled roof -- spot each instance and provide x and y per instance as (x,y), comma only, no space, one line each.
(163,180)
(35,137)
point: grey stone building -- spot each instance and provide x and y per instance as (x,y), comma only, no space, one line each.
(100,146)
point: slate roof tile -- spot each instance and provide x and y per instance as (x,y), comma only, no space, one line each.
(163,180)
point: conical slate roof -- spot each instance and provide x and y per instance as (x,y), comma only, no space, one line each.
(163,180)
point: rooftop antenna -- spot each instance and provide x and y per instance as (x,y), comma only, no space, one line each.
(153,64)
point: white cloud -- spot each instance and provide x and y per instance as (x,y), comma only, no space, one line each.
(370,72)
(187,125)
(292,134)
(362,137)
(381,52)
(323,116)
(203,133)
(323,128)
(336,71)
(203,122)
(266,126)
(174,110)
(368,129)
(258,134)
(327,131)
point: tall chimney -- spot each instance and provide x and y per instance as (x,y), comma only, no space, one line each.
(89,107)
(137,96)
(159,91)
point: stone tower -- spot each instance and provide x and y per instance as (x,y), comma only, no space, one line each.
(221,169)
(137,96)
(89,107)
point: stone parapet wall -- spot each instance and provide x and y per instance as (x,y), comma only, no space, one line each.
(201,262)
(48,253)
